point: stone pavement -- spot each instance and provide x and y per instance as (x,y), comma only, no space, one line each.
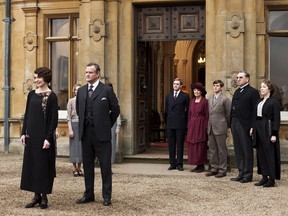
(145,189)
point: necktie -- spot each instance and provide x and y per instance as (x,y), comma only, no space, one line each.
(90,91)
(175,96)
(214,100)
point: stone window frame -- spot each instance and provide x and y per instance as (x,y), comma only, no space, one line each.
(70,67)
(274,33)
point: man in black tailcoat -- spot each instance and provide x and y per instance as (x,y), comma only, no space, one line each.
(242,108)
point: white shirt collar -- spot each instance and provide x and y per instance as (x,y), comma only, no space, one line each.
(244,86)
(177,92)
(95,84)
(216,95)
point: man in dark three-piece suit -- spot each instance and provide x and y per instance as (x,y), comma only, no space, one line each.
(176,111)
(98,109)
(242,108)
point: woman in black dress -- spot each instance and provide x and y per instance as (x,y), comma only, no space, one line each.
(38,137)
(266,137)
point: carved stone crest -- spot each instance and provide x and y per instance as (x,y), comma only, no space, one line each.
(30,41)
(28,86)
(235,25)
(231,82)
(97,29)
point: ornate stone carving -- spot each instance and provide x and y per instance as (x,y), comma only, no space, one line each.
(30,41)
(28,86)
(97,29)
(231,81)
(235,25)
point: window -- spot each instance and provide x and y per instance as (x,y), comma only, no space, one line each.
(63,55)
(278,43)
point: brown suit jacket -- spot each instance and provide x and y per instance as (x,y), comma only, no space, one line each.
(219,114)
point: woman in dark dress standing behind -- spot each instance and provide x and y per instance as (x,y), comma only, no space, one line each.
(197,137)
(265,136)
(38,137)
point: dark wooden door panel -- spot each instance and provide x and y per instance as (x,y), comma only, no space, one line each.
(171,23)
(141,139)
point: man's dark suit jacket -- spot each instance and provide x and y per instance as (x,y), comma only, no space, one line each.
(176,111)
(243,104)
(105,110)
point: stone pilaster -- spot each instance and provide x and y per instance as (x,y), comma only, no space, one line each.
(260,38)
(30,45)
(92,33)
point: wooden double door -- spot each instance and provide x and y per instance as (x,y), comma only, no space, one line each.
(154,24)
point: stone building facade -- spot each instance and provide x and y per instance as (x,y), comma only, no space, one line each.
(141,46)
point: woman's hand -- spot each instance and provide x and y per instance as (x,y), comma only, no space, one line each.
(46,144)
(22,139)
(273,139)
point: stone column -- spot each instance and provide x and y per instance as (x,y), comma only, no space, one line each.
(235,37)
(97,33)
(111,58)
(221,63)
(175,67)
(250,43)
(260,40)
(30,46)
(92,35)
(84,42)
(126,93)
(184,63)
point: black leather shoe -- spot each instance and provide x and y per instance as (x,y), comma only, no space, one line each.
(244,180)
(200,169)
(180,168)
(43,204)
(261,182)
(211,173)
(85,200)
(270,183)
(172,167)
(220,175)
(238,178)
(107,202)
(33,203)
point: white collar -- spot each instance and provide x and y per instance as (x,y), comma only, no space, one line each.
(216,95)
(95,84)
(244,86)
(177,92)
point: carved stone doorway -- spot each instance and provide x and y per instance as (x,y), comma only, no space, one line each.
(158,30)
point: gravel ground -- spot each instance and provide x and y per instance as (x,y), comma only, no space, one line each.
(145,189)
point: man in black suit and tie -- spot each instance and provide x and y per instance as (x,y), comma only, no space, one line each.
(242,108)
(98,109)
(176,111)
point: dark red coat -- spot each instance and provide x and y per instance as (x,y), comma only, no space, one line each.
(197,121)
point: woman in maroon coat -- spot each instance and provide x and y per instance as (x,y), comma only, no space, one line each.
(197,128)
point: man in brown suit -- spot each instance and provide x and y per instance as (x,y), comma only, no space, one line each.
(219,121)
